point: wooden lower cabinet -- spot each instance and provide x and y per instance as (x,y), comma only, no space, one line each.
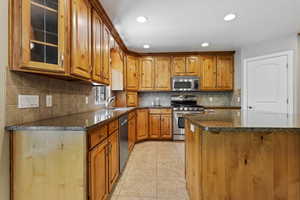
(142,124)
(154,124)
(104,166)
(98,172)
(166,126)
(160,124)
(131,131)
(113,159)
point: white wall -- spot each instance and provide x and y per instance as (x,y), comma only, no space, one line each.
(287,43)
(237,69)
(4,141)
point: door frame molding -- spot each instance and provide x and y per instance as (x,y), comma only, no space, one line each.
(291,87)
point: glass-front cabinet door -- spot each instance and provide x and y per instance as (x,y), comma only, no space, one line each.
(43,35)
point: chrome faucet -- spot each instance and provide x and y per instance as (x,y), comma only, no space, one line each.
(109,101)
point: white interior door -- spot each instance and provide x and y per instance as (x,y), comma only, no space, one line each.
(267,84)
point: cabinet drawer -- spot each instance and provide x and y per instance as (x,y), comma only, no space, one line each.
(166,111)
(154,111)
(113,126)
(131,115)
(96,136)
(160,111)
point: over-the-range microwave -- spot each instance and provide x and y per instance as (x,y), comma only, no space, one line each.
(185,83)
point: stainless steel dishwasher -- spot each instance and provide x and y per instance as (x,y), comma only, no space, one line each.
(123,138)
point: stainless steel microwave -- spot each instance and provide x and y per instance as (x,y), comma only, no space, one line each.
(185,83)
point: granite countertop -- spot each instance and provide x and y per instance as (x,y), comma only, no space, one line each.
(75,122)
(242,120)
(83,121)
(222,107)
(154,107)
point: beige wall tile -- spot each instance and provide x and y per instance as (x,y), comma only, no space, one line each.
(68,97)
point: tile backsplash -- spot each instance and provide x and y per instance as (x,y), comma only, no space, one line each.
(204,98)
(68,97)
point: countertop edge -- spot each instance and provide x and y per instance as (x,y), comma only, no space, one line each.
(24,127)
(217,130)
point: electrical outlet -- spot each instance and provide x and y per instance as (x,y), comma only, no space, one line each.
(28,101)
(211,99)
(86,100)
(192,128)
(48,100)
(239,99)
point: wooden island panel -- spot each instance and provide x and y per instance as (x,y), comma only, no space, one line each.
(49,165)
(242,165)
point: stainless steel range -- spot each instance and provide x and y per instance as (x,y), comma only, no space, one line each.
(183,104)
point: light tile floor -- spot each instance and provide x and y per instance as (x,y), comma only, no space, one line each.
(155,171)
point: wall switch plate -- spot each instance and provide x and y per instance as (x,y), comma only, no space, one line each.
(86,100)
(192,128)
(211,99)
(48,100)
(28,101)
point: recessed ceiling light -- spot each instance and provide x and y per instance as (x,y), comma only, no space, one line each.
(205,44)
(146,46)
(229,17)
(141,19)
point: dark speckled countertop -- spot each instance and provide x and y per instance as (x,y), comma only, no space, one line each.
(241,120)
(83,121)
(75,122)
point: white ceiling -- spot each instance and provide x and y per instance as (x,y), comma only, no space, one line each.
(182,25)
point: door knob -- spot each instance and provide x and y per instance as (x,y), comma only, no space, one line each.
(250,107)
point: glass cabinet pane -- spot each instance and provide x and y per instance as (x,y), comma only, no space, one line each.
(44,53)
(44,31)
(49,3)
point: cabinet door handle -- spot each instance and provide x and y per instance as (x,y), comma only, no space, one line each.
(61,60)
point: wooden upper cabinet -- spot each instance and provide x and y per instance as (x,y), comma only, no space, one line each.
(113,161)
(178,66)
(132,80)
(41,35)
(81,39)
(106,56)
(146,73)
(163,73)
(142,124)
(154,126)
(132,99)
(208,75)
(97,47)
(192,66)
(185,66)
(225,72)
(216,73)
(166,126)
(98,172)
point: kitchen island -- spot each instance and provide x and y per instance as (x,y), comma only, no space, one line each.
(234,155)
